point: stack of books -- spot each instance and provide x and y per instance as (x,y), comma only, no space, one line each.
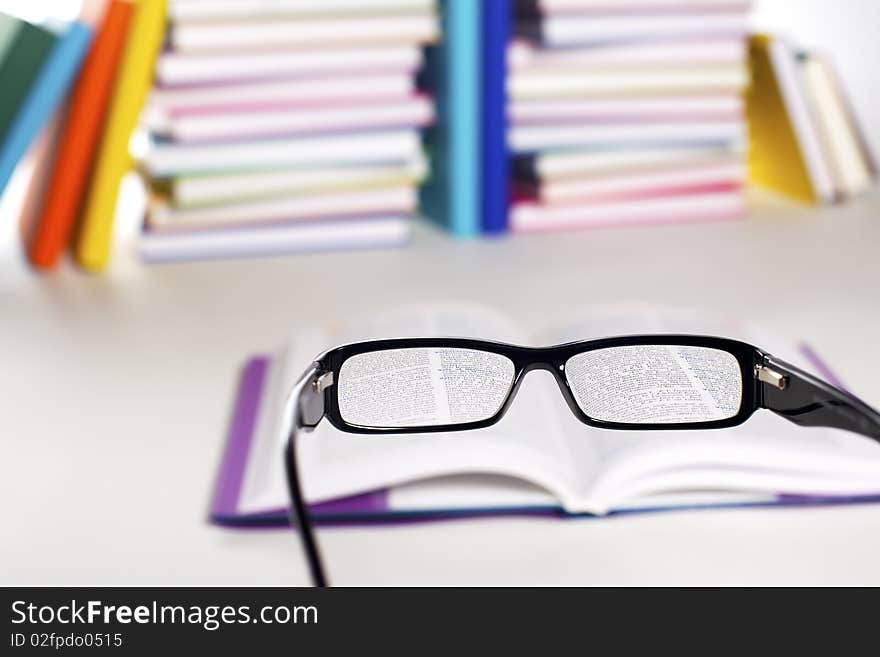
(626,113)
(286,127)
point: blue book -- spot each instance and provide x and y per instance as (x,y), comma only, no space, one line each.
(452,195)
(46,93)
(493,140)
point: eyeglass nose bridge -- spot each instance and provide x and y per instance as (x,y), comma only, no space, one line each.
(557,369)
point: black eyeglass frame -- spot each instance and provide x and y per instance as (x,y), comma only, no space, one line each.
(767,381)
(552,359)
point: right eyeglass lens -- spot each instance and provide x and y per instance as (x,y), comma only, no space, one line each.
(423,386)
(656,384)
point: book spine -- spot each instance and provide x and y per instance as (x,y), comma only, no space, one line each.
(463,90)
(495,164)
(92,248)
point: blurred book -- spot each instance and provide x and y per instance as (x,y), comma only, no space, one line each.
(452,195)
(88,104)
(303,121)
(538,459)
(38,67)
(259,241)
(622,113)
(113,159)
(805,140)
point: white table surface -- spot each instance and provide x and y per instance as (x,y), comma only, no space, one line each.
(116,392)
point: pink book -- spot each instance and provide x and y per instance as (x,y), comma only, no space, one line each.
(697,204)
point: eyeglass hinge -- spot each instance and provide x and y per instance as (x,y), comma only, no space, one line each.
(323,382)
(771,377)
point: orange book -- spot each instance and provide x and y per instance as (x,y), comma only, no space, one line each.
(89,104)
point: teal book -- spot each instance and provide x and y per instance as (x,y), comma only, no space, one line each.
(48,90)
(451,196)
(24,57)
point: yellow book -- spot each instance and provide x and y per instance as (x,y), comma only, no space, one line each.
(92,249)
(784,150)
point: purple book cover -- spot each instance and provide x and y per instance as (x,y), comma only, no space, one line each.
(373,507)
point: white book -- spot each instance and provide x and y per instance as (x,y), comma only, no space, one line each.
(282,239)
(797,105)
(530,138)
(392,201)
(838,134)
(527,111)
(539,454)
(312,66)
(564,165)
(628,184)
(305,33)
(569,30)
(165,160)
(525,56)
(200,10)
(415,111)
(536,217)
(524,85)
(194,191)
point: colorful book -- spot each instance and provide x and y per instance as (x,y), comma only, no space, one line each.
(352,117)
(654,53)
(604,7)
(578,165)
(715,202)
(42,156)
(531,138)
(562,30)
(183,11)
(358,203)
(50,86)
(89,104)
(27,48)
(601,83)
(9,27)
(452,195)
(175,69)
(495,164)
(190,191)
(168,159)
(641,108)
(538,459)
(665,180)
(303,33)
(135,76)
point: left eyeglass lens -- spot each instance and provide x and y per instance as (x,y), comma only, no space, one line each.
(423,386)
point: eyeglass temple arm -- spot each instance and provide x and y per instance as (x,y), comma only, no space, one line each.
(304,410)
(806,400)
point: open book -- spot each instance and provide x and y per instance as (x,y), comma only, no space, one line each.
(539,458)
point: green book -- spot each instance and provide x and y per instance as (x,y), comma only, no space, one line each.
(23,60)
(9,27)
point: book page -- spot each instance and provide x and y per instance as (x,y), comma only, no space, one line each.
(765,455)
(526,444)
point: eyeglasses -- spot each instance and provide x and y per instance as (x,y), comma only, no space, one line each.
(649,382)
